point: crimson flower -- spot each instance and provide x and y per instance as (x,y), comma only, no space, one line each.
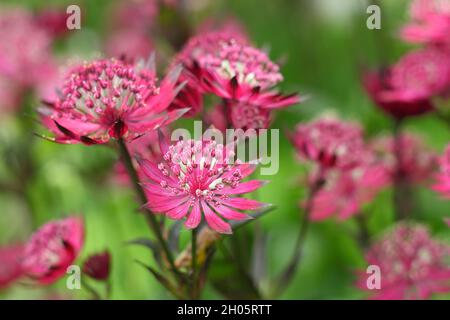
(412,264)
(107,99)
(199,178)
(52,249)
(406,88)
(330,143)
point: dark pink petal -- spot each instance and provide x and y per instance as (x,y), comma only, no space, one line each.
(230,214)
(179,211)
(214,222)
(194,217)
(244,187)
(244,204)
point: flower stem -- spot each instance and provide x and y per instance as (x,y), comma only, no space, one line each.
(291,267)
(151,219)
(400,191)
(194,262)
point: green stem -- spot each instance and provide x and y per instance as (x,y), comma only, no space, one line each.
(151,219)
(291,268)
(194,262)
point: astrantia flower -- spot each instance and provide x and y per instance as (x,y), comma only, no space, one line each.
(330,143)
(443,180)
(200,178)
(97,266)
(418,163)
(130,45)
(224,64)
(53,248)
(412,264)
(406,88)
(107,99)
(345,192)
(430,22)
(244,77)
(10,264)
(24,48)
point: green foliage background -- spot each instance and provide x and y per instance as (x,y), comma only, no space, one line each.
(323,56)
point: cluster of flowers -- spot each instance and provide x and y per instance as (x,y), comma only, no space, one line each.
(121,99)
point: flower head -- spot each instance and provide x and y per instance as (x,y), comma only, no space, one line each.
(443,180)
(199,178)
(345,192)
(107,99)
(130,45)
(430,22)
(418,163)
(412,264)
(24,49)
(10,265)
(98,266)
(330,143)
(406,88)
(52,249)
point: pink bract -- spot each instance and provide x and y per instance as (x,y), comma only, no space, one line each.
(199,178)
(52,249)
(111,99)
(412,264)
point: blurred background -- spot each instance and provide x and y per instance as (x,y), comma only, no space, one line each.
(322,45)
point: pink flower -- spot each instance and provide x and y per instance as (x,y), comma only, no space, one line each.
(412,264)
(129,45)
(54,21)
(107,99)
(345,192)
(418,163)
(406,88)
(431,22)
(200,178)
(137,15)
(224,64)
(330,143)
(10,265)
(53,248)
(24,48)
(443,180)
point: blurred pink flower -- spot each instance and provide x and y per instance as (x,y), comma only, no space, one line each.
(107,99)
(430,22)
(418,163)
(129,45)
(54,21)
(53,248)
(345,192)
(24,48)
(136,15)
(329,142)
(10,265)
(406,88)
(199,177)
(412,264)
(443,179)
